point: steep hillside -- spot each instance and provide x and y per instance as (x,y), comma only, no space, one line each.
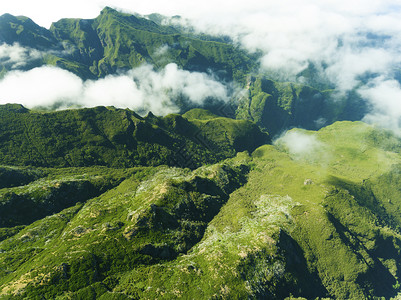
(119,138)
(277,106)
(314,215)
(24,31)
(115,42)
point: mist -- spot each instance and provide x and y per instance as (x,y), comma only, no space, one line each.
(350,45)
(15,56)
(304,146)
(141,89)
(385,95)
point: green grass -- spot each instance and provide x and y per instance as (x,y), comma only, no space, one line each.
(150,217)
(118,138)
(277,106)
(318,214)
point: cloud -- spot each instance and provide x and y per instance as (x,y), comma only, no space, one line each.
(174,81)
(119,91)
(40,87)
(15,56)
(141,89)
(348,65)
(352,45)
(301,145)
(385,96)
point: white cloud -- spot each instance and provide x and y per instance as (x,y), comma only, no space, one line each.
(301,145)
(40,87)
(17,56)
(349,64)
(345,40)
(120,91)
(385,96)
(142,89)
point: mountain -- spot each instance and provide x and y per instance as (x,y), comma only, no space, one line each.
(235,201)
(276,106)
(24,31)
(320,222)
(120,138)
(115,42)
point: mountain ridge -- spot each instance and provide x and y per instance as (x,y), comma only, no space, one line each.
(115,42)
(119,138)
(280,223)
(277,192)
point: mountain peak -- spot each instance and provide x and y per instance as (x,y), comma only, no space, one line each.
(108,9)
(6,16)
(23,30)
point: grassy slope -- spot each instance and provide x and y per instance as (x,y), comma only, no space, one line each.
(317,223)
(278,106)
(277,236)
(152,216)
(118,138)
(114,42)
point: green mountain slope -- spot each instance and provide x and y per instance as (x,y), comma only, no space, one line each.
(314,215)
(119,138)
(24,31)
(276,106)
(116,42)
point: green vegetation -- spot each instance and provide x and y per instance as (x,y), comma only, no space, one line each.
(318,221)
(56,189)
(115,42)
(277,106)
(119,138)
(152,216)
(103,203)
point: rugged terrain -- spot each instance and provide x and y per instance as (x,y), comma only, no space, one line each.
(216,203)
(321,221)
(115,42)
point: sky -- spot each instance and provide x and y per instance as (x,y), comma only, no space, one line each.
(345,40)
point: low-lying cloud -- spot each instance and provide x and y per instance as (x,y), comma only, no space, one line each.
(142,89)
(352,45)
(15,56)
(303,146)
(385,97)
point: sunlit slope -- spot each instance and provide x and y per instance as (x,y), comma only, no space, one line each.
(153,216)
(311,226)
(314,215)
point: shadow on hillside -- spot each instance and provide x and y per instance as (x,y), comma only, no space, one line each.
(299,279)
(377,280)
